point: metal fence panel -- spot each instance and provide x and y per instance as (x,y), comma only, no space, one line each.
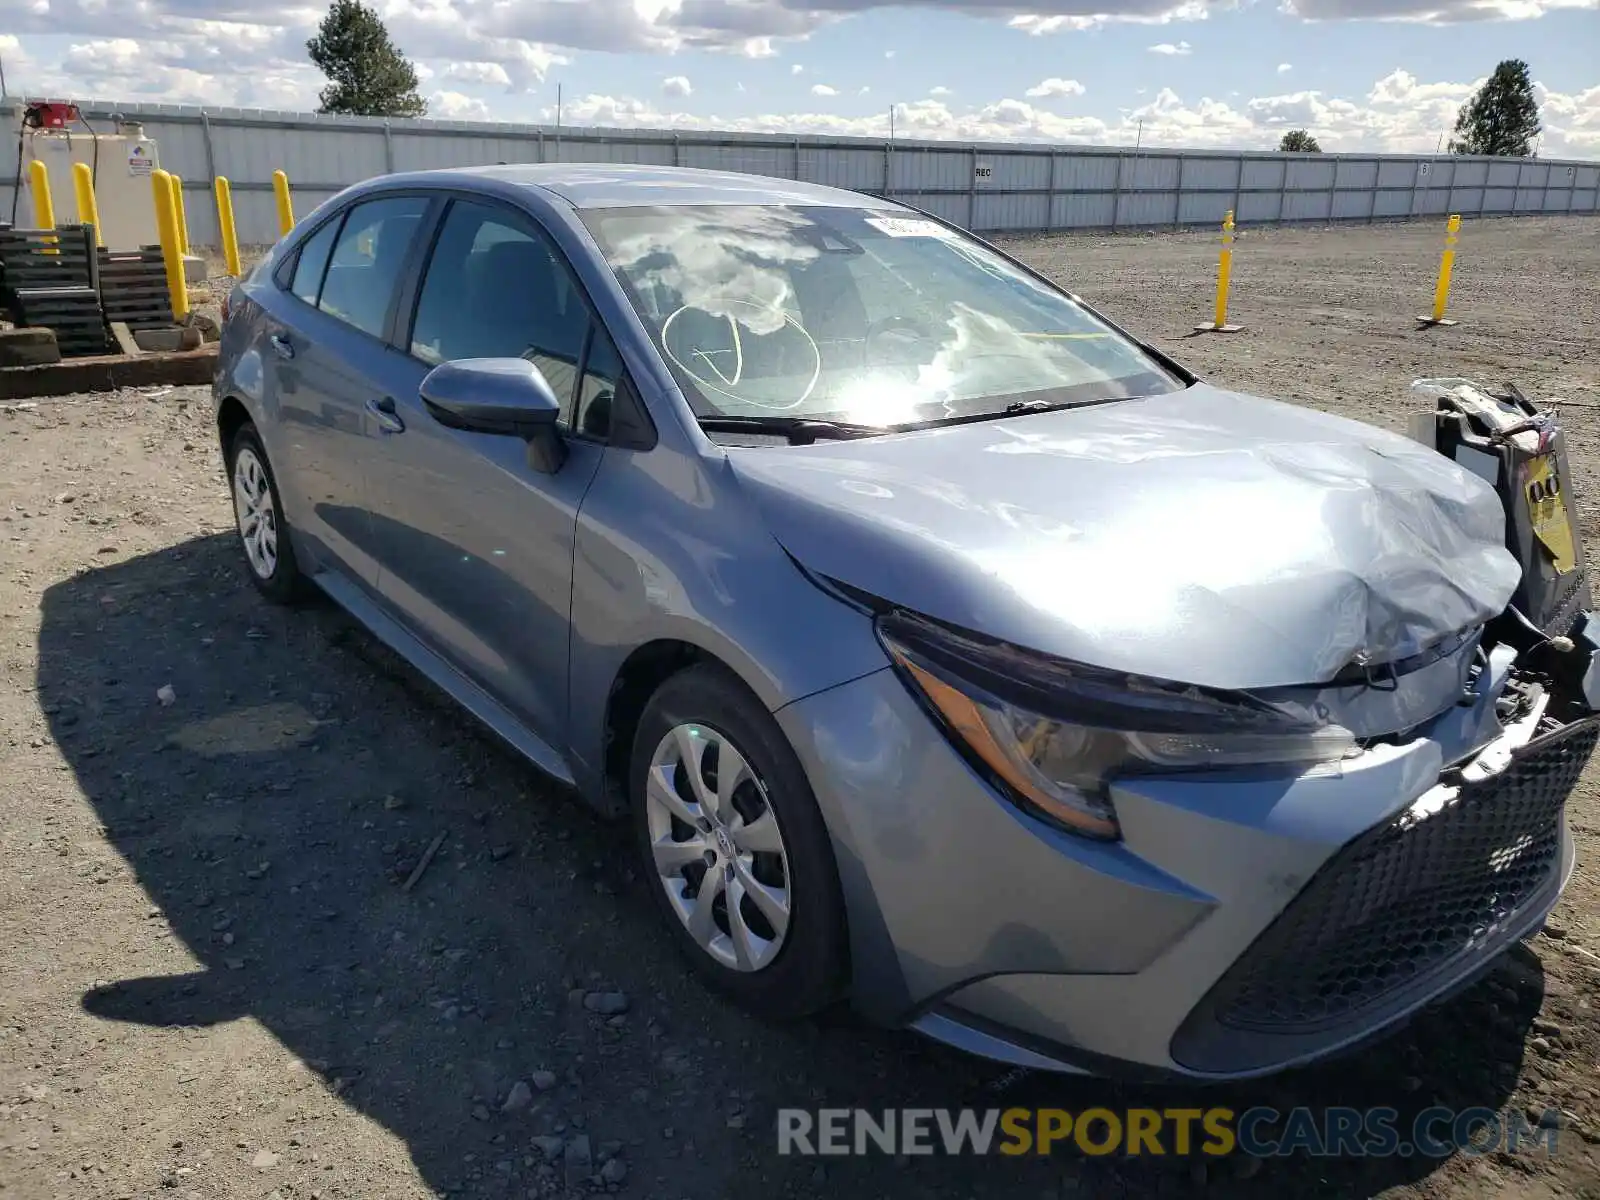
(923,170)
(1030,211)
(1263,173)
(1207,174)
(1434,201)
(1084,211)
(1305,206)
(1018,171)
(1504,174)
(1259,208)
(861,170)
(1352,205)
(1148,208)
(1397,172)
(954,209)
(1391,204)
(1359,173)
(1151,174)
(993,186)
(1205,208)
(1089,172)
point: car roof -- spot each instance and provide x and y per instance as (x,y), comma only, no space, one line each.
(622,185)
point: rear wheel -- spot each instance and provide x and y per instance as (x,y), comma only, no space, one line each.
(734,846)
(258,512)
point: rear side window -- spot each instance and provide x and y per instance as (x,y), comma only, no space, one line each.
(497,288)
(307,281)
(367,260)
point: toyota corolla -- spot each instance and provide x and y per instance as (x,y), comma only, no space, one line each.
(952,650)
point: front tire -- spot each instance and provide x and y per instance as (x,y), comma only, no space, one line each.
(734,847)
(258,515)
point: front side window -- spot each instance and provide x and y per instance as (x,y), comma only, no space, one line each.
(873,317)
(496,288)
(367,260)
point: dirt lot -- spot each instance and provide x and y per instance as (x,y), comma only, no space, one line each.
(215,986)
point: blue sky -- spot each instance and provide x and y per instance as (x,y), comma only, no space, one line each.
(1361,74)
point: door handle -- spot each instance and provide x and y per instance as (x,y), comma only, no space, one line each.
(382,410)
(281,345)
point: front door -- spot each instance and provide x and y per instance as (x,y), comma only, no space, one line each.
(475,545)
(324,345)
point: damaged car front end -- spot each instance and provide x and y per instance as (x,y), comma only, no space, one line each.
(1302,777)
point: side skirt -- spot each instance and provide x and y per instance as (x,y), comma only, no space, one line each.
(440,673)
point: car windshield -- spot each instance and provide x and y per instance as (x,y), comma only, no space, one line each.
(877,317)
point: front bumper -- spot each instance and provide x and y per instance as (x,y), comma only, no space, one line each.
(1247,922)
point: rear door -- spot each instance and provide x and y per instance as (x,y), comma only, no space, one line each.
(475,544)
(327,342)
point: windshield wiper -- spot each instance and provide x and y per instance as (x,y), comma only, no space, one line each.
(801,431)
(1017,408)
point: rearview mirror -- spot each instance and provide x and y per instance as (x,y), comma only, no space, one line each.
(498,395)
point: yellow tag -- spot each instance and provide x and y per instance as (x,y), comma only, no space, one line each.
(1547,509)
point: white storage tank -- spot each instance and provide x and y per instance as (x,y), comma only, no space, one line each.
(122,163)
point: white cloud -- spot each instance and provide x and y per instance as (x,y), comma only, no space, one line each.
(796,69)
(1390,118)
(941,90)
(454,106)
(864,90)
(1138,12)
(822,89)
(1171,48)
(889,53)
(1285,68)
(477,72)
(1056,86)
(1427,12)
(676,85)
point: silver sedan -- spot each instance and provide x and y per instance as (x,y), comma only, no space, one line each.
(951,650)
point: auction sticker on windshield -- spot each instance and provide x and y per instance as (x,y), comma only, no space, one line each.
(908,227)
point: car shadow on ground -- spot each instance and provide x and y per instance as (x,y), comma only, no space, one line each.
(274,801)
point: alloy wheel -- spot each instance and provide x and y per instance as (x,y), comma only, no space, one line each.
(717,847)
(258,520)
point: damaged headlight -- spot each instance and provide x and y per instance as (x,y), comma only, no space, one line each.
(1053,732)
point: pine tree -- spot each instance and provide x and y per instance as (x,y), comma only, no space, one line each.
(1299,141)
(1503,118)
(367,75)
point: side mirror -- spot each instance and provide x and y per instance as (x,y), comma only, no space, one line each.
(507,396)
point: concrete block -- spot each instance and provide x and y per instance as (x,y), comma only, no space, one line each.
(28,346)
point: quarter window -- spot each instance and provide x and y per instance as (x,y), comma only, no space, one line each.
(496,288)
(313,260)
(367,261)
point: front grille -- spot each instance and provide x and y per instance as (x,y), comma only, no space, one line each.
(1406,900)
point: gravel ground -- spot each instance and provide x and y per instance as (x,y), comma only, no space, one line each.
(216,986)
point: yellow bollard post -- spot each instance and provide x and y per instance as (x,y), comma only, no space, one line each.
(167,225)
(183,214)
(280,188)
(88,210)
(1447,264)
(44,209)
(1224,277)
(230,236)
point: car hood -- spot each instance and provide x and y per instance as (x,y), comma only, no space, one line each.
(1201,536)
